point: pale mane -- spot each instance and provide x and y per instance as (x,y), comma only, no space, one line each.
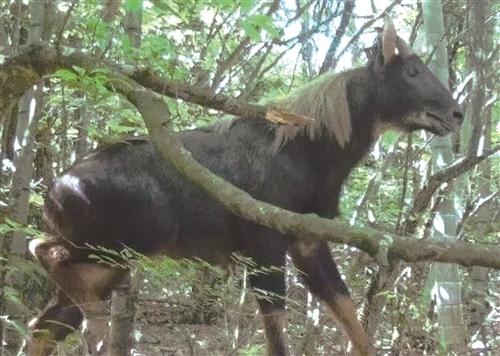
(324,100)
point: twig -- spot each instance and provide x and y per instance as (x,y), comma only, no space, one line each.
(66,18)
(424,196)
(344,22)
(366,25)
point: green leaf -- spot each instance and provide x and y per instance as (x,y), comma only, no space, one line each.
(246,6)
(265,22)
(66,75)
(132,5)
(36,199)
(390,137)
(251,30)
(272,30)
(261,20)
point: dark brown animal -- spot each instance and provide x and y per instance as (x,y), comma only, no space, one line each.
(126,194)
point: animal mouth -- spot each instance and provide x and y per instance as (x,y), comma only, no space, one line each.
(438,125)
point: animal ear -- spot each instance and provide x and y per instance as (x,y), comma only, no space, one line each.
(389,40)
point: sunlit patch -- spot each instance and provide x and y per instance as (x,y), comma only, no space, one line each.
(443,294)
(74,184)
(478,345)
(33,244)
(99,345)
(480,145)
(32,323)
(8,165)
(440,162)
(438,224)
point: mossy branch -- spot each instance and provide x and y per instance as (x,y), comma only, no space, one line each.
(20,72)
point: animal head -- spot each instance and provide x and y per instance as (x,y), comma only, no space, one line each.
(409,96)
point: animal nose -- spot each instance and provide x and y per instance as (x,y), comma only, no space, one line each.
(457,114)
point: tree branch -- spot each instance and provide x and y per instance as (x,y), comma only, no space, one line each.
(344,22)
(366,25)
(382,247)
(20,72)
(424,196)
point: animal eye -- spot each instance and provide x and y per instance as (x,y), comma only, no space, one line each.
(412,72)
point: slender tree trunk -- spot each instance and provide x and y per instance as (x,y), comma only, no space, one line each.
(480,13)
(29,114)
(8,137)
(344,23)
(43,156)
(28,118)
(133,26)
(447,287)
(124,298)
(82,118)
(479,50)
(122,315)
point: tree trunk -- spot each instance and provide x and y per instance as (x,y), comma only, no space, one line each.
(447,287)
(82,118)
(481,115)
(133,25)
(28,118)
(480,46)
(124,298)
(29,114)
(122,315)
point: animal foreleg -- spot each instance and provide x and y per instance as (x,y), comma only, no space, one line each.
(272,307)
(323,279)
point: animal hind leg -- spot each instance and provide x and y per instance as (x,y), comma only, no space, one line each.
(87,284)
(323,279)
(59,318)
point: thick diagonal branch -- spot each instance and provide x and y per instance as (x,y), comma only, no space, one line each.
(306,226)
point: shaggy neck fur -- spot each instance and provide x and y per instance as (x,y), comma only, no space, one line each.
(325,100)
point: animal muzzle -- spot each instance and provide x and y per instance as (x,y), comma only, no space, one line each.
(442,123)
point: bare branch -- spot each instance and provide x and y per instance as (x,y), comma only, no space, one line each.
(366,25)
(424,196)
(344,22)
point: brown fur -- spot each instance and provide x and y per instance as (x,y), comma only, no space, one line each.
(343,311)
(273,327)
